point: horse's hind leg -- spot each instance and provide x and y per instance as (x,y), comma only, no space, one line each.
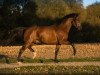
(30,48)
(21,51)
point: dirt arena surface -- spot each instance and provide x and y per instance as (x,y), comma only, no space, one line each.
(13,65)
(47,51)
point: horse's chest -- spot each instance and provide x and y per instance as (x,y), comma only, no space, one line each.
(61,35)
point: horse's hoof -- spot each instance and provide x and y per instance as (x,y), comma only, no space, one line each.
(41,61)
(34,55)
(56,61)
(7,62)
(19,63)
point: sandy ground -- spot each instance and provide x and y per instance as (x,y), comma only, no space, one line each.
(13,65)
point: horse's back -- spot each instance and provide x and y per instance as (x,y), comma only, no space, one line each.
(42,34)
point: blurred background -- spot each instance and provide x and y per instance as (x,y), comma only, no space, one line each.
(17,15)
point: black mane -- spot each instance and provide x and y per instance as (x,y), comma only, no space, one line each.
(72,15)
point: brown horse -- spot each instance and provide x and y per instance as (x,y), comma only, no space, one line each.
(52,35)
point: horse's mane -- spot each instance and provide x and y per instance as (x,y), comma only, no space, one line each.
(72,15)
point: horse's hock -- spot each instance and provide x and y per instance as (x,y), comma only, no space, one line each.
(48,51)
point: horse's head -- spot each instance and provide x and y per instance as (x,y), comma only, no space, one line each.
(76,21)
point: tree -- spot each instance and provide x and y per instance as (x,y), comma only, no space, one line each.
(91,26)
(52,8)
(28,16)
(71,3)
(93,13)
(9,13)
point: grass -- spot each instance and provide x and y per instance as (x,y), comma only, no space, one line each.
(55,70)
(51,69)
(29,60)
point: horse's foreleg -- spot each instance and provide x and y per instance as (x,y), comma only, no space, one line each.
(69,43)
(56,52)
(74,49)
(73,46)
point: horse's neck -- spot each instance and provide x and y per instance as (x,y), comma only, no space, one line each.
(65,26)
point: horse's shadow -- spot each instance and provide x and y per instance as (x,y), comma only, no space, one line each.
(5,57)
